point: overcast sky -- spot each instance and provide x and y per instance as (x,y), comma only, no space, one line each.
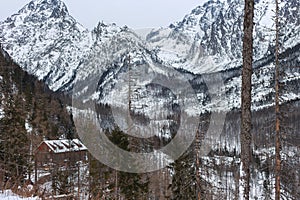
(133,13)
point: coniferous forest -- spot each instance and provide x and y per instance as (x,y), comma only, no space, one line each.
(63,88)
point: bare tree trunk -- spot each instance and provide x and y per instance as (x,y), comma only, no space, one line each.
(277,111)
(246,97)
(198,180)
(78,181)
(116,185)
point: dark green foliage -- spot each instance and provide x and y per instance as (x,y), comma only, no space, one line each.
(119,139)
(48,114)
(100,180)
(131,185)
(107,183)
(14,143)
(61,183)
(26,100)
(184,178)
(44,109)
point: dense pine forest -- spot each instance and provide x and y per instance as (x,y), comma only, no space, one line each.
(30,112)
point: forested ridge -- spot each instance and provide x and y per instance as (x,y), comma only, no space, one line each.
(30,111)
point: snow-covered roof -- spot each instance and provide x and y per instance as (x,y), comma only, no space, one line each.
(61,146)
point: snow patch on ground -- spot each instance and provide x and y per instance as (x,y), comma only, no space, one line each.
(9,195)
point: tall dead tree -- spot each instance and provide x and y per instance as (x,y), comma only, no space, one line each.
(246,124)
(277,109)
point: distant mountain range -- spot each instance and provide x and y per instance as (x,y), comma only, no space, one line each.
(161,76)
(46,41)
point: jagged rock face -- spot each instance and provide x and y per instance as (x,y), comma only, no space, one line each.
(218,27)
(47,42)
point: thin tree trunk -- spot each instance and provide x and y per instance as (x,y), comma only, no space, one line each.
(198,180)
(277,111)
(116,185)
(78,181)
(246,98)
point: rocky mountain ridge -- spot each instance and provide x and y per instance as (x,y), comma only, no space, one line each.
(50,44)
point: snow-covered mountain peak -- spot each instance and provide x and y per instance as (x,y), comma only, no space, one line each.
(57,49)
(217,26)
(41,12)
(38,10)
(46,41)
(111,45)
(105,31)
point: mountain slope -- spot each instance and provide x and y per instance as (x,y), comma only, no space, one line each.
(46,41)
(214,31)
(217,27)
(42,111)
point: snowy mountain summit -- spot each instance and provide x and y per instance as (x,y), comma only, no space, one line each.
(49,43)
(46,41)
(217,27)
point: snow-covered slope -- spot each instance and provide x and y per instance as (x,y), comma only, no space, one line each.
(214,31)
(143,32)
(217,27)
(9,195)
(46,41)
(49,43)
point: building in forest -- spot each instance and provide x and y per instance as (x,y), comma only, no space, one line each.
(60,152)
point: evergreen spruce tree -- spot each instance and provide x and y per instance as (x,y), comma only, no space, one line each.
(184,178)
(100,176)
(13,135)
(131,185)
(107,183)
